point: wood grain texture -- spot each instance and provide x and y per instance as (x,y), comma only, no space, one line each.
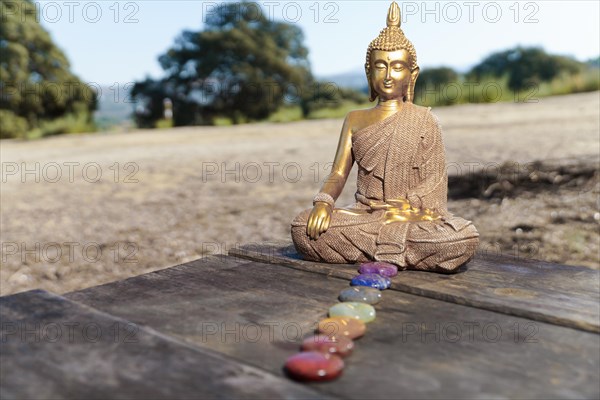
(54,348)
(417,347)
(541,291)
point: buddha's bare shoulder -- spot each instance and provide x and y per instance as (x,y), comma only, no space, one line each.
(359,119)
(357,115)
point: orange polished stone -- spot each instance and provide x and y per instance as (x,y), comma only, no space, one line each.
(339,345)
(342,327)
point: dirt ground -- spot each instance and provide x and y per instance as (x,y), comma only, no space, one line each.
(78,211)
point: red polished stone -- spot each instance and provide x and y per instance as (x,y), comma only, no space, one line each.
(342,346)
(314,366)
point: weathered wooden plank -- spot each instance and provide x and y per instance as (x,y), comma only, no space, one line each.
(54,348)
(558,294)
(416,348)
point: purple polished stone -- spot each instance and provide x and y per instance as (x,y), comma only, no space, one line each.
(381,268)
(371,280)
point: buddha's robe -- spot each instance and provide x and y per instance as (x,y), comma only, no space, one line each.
(400,157)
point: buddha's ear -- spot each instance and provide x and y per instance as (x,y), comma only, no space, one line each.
(410,92)
(372,93)
(415,74)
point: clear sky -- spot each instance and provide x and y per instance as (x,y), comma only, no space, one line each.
(119,41)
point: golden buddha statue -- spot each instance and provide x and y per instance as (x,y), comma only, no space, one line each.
(400,214)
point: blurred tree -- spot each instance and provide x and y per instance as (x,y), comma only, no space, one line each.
(432,81)
(149,95)
(36,86)
(242,66)
(524,66)
(320,94)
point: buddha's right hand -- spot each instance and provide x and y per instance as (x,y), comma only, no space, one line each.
(318,220)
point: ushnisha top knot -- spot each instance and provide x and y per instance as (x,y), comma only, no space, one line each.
(393,17)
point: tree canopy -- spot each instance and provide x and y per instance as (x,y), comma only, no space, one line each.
(241,66)
(525,66)
(433,79)
(36,85)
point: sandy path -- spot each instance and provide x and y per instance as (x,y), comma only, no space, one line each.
(180,202)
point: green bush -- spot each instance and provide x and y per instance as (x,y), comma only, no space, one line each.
(585,81)
(524,66)
(489,89)
(11,125)
(164,123)
(70,123)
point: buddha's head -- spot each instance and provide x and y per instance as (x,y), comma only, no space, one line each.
(391,64)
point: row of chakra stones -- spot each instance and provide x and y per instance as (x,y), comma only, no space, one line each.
(322,353)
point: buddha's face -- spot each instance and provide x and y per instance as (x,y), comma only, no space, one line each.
(390,74)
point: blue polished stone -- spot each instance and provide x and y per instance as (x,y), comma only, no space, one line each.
(371,280)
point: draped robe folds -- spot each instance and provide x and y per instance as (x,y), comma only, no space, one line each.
(399,157)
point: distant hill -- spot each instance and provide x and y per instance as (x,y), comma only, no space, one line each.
(352,80)
(357,79)
(114,108)
(594,62)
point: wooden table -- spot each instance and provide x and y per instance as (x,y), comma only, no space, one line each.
(222,327)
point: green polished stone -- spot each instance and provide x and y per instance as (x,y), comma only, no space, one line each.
(361,311)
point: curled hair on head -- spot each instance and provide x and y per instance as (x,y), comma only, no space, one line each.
(391,38)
